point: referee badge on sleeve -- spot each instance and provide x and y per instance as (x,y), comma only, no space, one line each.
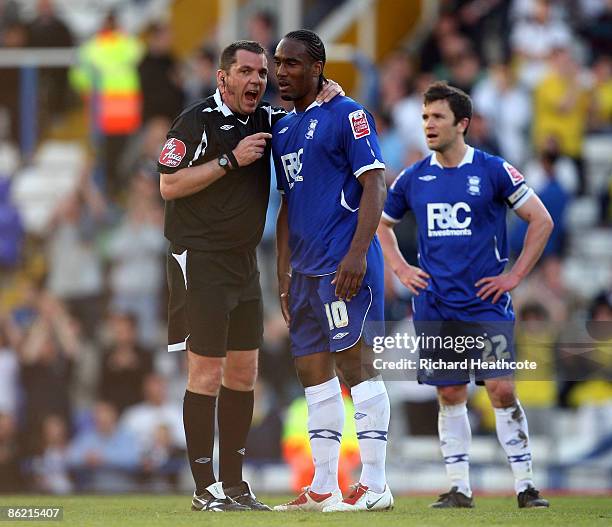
(172,153)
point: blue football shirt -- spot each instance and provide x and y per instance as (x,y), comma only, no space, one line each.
(319,155)
(461,219)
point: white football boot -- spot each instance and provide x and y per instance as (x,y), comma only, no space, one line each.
(363,499)
(311,501)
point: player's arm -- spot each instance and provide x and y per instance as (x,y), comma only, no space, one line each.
(188,181)
(352,268)
(540,226)
(412,277)
(283,258)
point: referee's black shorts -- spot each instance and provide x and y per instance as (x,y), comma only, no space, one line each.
(215,301)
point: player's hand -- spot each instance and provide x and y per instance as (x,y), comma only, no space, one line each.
(496,286)
(349,275)
(413,278)
(284,283)
(251,148)
(329,90)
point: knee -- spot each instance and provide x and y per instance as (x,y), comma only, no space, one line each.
(502,395)
(451,395)
(240,376)
(354,372)
(204,376)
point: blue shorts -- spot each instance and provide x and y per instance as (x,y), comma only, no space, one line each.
(322,322)
(467,337)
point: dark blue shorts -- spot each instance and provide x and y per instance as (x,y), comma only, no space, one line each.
(322,322)
(461,343)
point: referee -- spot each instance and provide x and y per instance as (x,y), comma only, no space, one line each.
(215,178)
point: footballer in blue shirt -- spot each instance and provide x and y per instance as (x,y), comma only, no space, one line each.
(459,196)
(330,270)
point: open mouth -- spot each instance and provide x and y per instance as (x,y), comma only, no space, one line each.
(283,84)
(251,95)
(431,135)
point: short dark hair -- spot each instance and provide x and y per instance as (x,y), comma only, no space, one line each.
(458,101)
(314,47)
(228,55)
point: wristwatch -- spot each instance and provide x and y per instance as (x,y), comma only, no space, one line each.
(223,162)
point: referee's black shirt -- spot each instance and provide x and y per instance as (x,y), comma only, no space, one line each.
(231,212)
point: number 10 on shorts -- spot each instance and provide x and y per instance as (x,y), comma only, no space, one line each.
(337,315)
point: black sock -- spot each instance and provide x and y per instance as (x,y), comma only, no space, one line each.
(199,423)
(234,415)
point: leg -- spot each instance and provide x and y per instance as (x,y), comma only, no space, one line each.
(203,382)
(372,413)
(235,413)
(325,417)
(512,430)
(455,435)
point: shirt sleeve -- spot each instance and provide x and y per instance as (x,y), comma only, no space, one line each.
(397,203)
(360,139)
(186,144)
(276,114)
(511,186)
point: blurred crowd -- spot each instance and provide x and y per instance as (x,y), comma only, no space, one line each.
(89,398)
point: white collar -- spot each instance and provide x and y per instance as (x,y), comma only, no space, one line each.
(468,158)
(313,104)
(224,108)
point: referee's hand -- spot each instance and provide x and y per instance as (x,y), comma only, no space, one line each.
(251,148)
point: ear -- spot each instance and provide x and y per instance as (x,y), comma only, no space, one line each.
(463,124)
(221,74)
(317,68)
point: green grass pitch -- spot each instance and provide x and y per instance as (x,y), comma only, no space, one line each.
(173,511)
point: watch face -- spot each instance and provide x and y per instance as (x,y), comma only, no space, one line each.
(223,161)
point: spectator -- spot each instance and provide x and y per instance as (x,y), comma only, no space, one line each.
(11,232)
(144,419)
(48,30)
(479,135)
(107,75)
(162,461)
(261,27)
(406,112)
(597,29)
(391,146)
(551,164)
(556,200)
(125,364)
(75,268)
(10,474)
(136,250)
(561,109)
(445,28)
(13,35)
(534,38)
(201,80)
(464,71)
(9,365)
(47,357)
(162,94)
(106,458)
(507,108)
(601,118)
(50,467)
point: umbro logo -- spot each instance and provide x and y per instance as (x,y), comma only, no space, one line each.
(202,460)
(427,178)
(359,415)
(242,451)
(339,336)
(227,127)
(284,130)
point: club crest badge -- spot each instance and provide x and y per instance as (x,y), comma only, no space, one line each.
(473,185)
(311,129)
